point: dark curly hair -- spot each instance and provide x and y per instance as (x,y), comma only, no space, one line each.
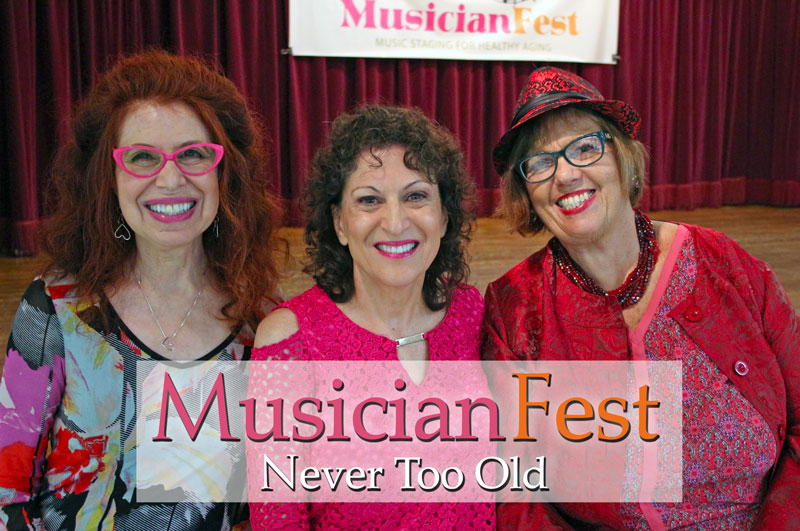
(430,150)
(79,237)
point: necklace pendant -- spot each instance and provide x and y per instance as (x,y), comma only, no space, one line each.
(168,340)
(410,339)
(168,344)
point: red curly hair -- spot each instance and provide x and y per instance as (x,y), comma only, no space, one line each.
(79,238)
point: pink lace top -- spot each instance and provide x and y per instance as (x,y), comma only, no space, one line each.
(325,333)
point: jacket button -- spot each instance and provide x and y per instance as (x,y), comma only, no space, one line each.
(741,368)
(781,431)
(694,313)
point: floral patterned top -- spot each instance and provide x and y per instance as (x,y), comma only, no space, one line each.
(67,423)
(728,448)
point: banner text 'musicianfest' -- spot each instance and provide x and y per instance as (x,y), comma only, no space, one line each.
(460,21)
(609,417)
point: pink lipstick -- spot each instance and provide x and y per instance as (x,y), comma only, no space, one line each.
(397,249)
(171,209)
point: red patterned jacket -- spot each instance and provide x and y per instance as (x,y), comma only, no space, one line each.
(737,312)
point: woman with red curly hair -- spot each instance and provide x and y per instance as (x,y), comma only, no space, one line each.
(161,248)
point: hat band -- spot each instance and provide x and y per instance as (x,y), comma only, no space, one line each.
(544,99)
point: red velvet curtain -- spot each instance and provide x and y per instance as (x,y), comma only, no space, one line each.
(715,81)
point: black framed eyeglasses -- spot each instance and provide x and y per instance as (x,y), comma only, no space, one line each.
(581,152)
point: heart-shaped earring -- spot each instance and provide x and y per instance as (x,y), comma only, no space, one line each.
(122,232)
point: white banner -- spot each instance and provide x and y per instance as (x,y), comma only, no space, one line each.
(581,31)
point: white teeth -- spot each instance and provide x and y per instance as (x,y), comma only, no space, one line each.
(172,209)
(396,249)
(574,201)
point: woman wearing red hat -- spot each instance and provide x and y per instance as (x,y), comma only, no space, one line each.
(614,285)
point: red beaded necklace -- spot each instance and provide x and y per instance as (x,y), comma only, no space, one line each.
(631,291)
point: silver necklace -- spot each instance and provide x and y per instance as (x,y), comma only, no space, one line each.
(169,341)
(401,341)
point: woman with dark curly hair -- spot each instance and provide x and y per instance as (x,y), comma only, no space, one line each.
(161,248)
(387,235)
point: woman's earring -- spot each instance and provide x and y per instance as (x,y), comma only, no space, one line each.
(216,226)
(636,183)
(122,232)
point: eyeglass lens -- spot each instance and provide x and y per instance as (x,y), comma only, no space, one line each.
(582,151)
(193,159)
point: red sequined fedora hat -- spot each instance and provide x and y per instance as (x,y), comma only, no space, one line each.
(549,88)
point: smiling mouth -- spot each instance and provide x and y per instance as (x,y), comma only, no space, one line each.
(574,201)
(396,249)
(173,209)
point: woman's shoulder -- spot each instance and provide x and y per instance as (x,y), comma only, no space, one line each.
(721,253)
(284,319)
(37,332)
(529,270)
(45,291)
(457,336)
(710,240)
(465,310)
(37,295)
(279,325)
(466,296)
(305,305)
(310,298)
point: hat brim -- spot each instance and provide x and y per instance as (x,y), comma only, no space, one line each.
(622,114)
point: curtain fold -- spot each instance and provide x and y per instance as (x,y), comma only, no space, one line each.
(715,83)
(785,174)
(20,202)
